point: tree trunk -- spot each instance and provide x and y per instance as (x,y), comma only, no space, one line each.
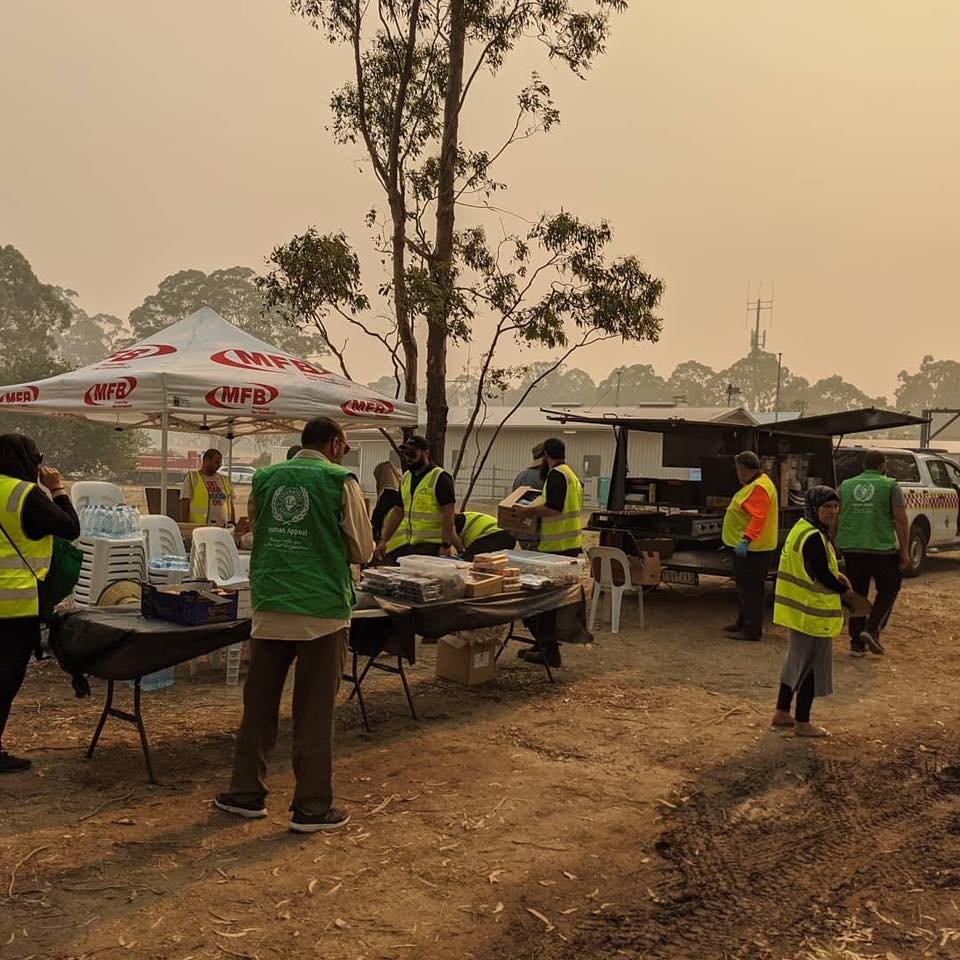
(441,267)
(401,304)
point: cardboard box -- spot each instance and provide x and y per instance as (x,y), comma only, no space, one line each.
(525,529)
(469,664)
(645,572)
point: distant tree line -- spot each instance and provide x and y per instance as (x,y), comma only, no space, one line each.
(46,332)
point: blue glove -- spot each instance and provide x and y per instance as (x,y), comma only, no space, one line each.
(742,549)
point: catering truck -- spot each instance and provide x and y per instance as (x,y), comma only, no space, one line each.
(682,519)
(930,481)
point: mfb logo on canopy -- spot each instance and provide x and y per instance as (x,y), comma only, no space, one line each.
(367,408)
(269,363)
(255,396)
(20,395)
(143,352)
(114,393)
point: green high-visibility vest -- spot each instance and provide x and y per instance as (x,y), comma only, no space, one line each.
(736,519)
(475,526)
(422,513)
(560,533)
(18,582)
(801,603)
(866,520)
(299,562)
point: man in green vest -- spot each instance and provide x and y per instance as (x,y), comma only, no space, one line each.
(309,524)
(560,507)
(751,528)
(874,536)
(478,533)
(423,524)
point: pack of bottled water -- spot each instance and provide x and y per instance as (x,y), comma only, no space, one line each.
(109,523)
(179,564)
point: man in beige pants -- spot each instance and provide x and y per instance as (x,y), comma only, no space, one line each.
(309,523)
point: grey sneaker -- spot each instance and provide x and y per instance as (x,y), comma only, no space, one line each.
(254,810)
(333,819)
(873,643)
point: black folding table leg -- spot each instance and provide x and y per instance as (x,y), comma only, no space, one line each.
(406,687)
(506,640)
(543,653)
(359,693)
(103,720)
(363,675)
(143,733)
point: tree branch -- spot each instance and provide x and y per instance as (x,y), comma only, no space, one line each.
(585,341)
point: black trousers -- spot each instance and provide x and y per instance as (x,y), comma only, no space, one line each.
(804,698)
(491,543)
(18,639)
(884,570)
(750,573)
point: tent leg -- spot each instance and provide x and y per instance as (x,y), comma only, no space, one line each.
(164,479)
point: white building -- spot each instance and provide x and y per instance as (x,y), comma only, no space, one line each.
(590,447)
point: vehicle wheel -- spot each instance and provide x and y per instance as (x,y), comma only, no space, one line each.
(918,550)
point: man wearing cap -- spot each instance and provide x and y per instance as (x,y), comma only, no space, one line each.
(751,529)
(531,476)
(424,522)
(561,505)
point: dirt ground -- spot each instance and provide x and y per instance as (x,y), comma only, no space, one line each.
(639,807)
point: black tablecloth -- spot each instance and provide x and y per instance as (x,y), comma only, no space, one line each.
(117,643)
(558,614)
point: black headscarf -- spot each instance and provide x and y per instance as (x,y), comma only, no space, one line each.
(816,498)
(19,457)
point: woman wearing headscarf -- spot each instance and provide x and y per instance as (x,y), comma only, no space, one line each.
(387,478)
(34,508)
(810,591)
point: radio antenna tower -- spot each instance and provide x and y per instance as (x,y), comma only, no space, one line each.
(756,308)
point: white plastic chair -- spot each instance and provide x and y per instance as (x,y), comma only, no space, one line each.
(608,557)
(215,557)
(95,493)
(163,537)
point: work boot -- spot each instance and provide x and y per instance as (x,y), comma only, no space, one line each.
(12,764)
(534,655)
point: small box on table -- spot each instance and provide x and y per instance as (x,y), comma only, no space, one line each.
(193,603)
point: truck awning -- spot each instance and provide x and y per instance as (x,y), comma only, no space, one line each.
(843,423)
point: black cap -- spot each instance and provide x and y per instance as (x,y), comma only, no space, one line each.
(748,459)
(554,448)
(415,442)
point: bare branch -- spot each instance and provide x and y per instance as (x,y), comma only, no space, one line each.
(585,341)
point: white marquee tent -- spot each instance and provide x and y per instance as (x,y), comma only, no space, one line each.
(204,374)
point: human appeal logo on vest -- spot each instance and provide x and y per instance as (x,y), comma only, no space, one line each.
(270,363)
(139,353)
(241,396)
(20,395)
(863,492)
(367,408)
(290,504)
(114,393)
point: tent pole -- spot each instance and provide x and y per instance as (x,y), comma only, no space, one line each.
(164,429)
(230,452)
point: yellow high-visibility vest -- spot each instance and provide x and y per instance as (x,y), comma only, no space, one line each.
(422,517)
(560,533)
(200,499)
(18,583)
(736,520)
(802,603)
(475,526)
